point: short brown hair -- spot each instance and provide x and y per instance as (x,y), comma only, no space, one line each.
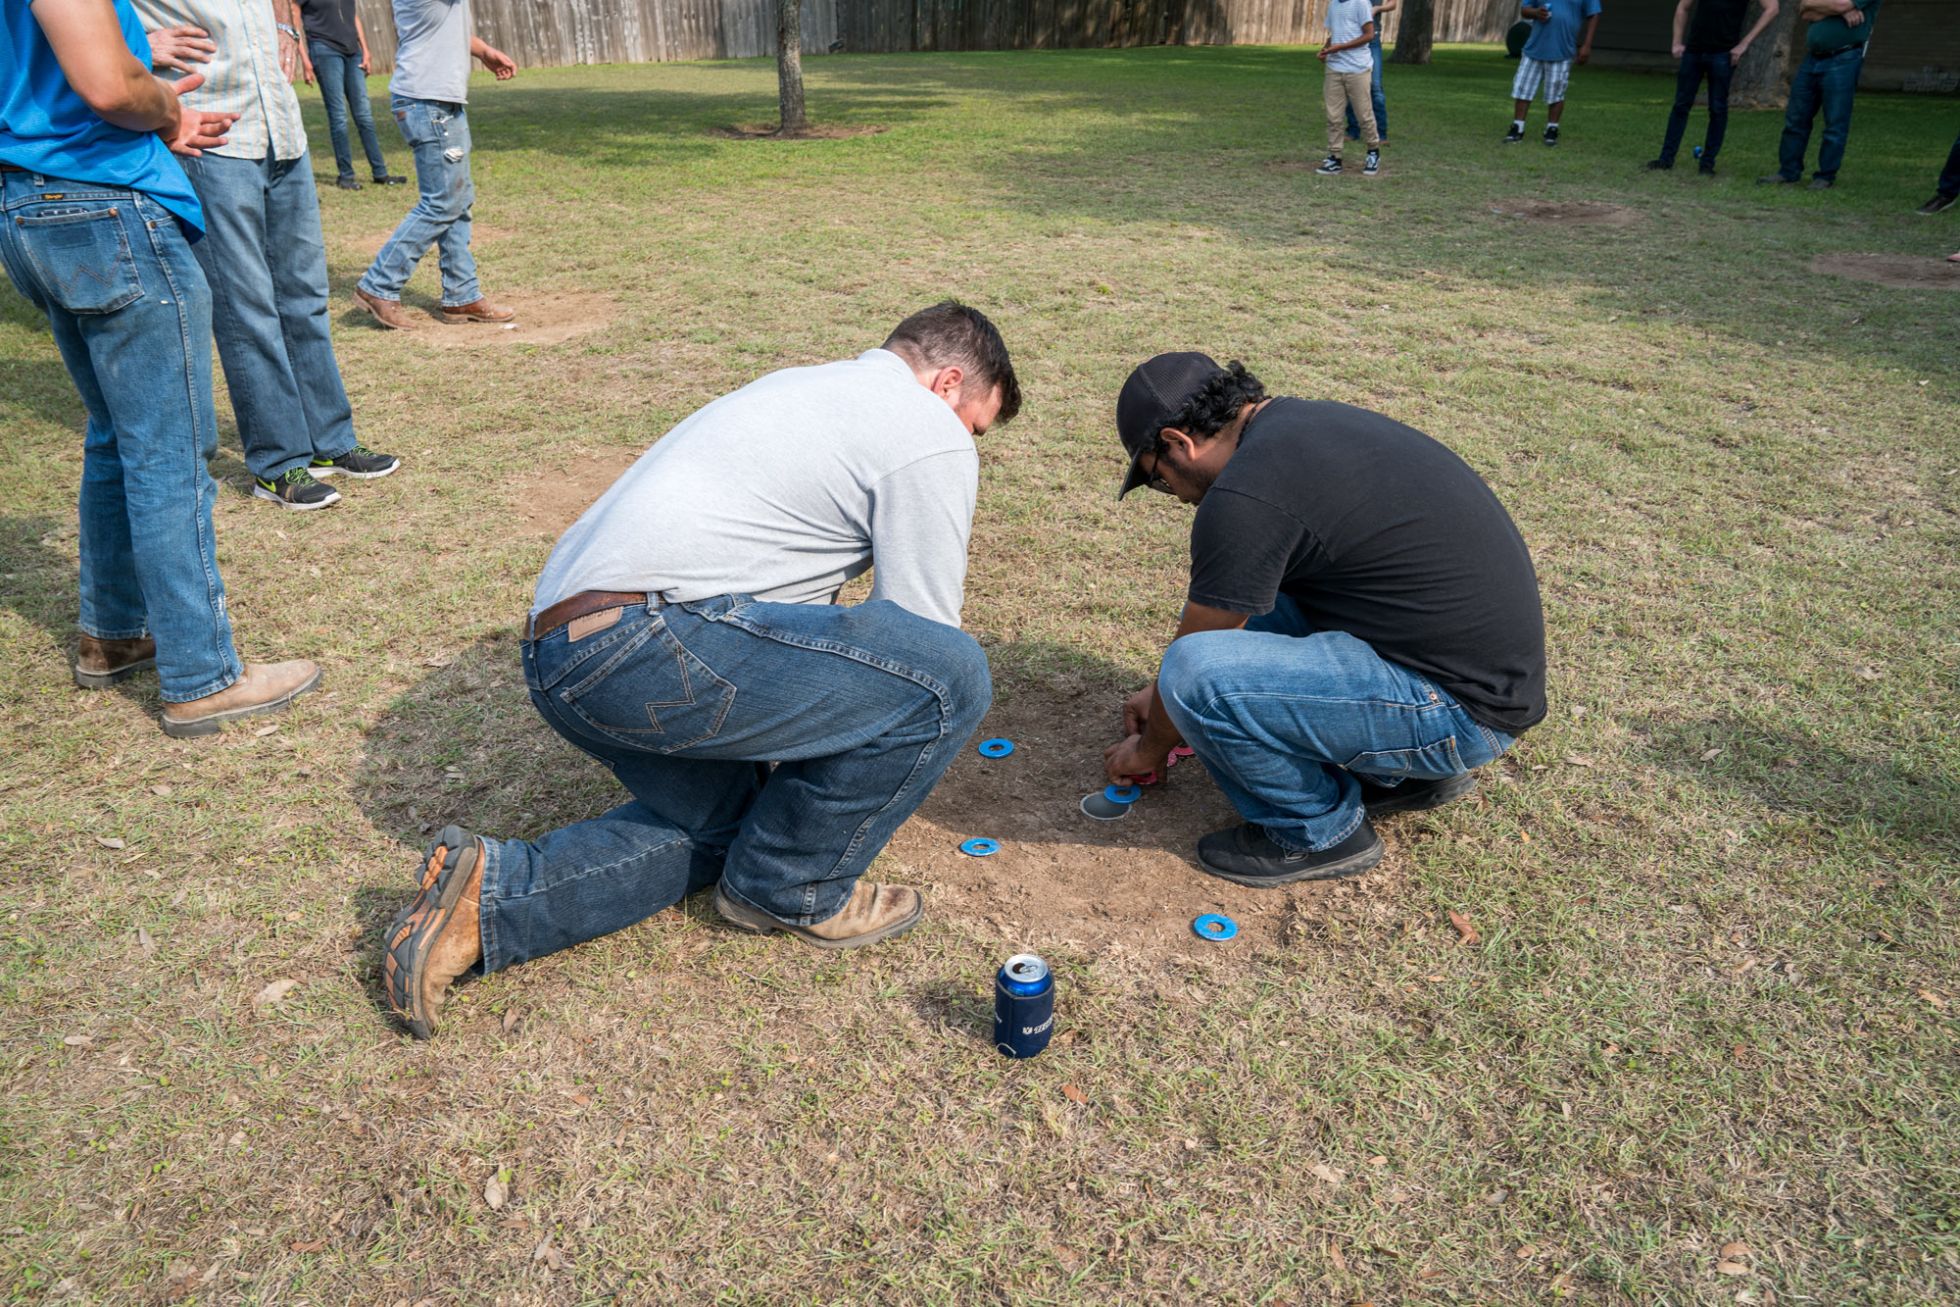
(953,335)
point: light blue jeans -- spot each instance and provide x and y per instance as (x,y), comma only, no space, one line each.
(772,747)
(1286,718)
(266,260)
(130,313)
(439,133)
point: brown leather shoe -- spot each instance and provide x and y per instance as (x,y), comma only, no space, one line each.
(874,912)
(265,687)
(99,664)
(387,312)
(439,936)
(478,311)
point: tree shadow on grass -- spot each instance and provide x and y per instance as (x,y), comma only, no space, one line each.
(39,584)
(1793,770)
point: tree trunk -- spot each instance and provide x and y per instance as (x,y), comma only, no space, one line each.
(1414,32)
(789,67)
(1762,79)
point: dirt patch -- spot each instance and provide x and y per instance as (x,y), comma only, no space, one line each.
(1903,271)
(481,234)
(547,319)
(553,500)
(1596,213)
(814,132)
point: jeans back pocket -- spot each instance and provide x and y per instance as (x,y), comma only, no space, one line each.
(650,692)
(81,255)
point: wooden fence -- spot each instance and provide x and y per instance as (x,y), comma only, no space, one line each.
(549,32)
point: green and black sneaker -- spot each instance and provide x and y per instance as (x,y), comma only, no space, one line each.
(295,489)
(360,461)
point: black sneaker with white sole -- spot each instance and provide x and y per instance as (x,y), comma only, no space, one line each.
(1372,165)
(1246,855)
(1551,134)
(1515,135)
(360,461)
(295,489)
(1938,204)
(1330,166)
(1414,796)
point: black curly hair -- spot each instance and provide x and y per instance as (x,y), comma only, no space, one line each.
(1213,405)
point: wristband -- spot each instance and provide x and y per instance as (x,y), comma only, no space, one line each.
(288,29)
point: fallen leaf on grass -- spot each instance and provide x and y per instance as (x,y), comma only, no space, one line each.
(1527,1252)
(1327,1174)
(109,842)
(1869,673)
(1731,1268)
(264,731)
(495,1192)
(1734,1251)
(78,1041)
(510,1020)
(1073,1094)
(1710,755)
(1334,1255)
(1932,998)
(1577,760)
(1463,927)
(308,1245)
(144,942)
(272,993)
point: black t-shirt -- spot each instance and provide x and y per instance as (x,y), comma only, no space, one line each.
(1716,26)
(331,21)
(1377,530)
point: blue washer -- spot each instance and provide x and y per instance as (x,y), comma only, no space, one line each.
(998,748)
(1123,793)
(1212,926)
(980,848)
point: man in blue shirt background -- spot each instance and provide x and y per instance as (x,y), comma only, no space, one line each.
(1562,35)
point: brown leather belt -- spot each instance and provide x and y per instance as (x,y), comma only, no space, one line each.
(582,604)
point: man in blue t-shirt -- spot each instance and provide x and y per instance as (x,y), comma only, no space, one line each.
(1834,54)
(1562,34)
(96,220)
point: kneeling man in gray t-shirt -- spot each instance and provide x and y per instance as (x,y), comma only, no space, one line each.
(686,634)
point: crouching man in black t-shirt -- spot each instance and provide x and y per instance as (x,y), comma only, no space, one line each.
(1362,631)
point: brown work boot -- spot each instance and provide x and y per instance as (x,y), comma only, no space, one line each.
(265,687)
(874,912)
(439,936)
(99,664)
(478,311)
(387,312)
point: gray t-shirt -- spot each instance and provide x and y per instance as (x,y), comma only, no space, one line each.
(1345,19)
(785,490)
(432,50)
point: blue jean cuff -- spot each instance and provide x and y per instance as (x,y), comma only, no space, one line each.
(486,898)
(135,633)
(224,682)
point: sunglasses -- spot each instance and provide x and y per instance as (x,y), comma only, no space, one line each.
(1156,481)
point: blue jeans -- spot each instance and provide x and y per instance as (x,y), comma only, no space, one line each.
(131,316)
(1286,717)
(860,709)
(439,134)
(344,86)
(1831,82)
(1949,184)
(1374,94)
(266,260)
(1719,69)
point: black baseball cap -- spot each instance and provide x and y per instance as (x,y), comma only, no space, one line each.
(1154,395)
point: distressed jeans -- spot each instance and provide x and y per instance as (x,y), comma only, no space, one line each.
(131,315)
(774,748)
(439,134)
(266,260)
(1286,718)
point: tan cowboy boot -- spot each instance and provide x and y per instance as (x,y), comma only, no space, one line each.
(874,912)
(99,664)
(265,687)
(478,311)
(387,312)
(439,936)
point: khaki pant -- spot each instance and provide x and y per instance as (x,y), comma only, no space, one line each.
(1345,90)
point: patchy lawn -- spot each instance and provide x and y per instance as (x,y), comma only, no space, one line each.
(1702,1048)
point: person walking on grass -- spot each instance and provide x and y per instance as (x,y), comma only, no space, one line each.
(1709,48)
(1361,632)
(434,44)
(264,253)
(1562,35)
(1350,26)
(1375,94)
(336,49)
(686,634)
(96,226)
(1834,54)
(1947,189)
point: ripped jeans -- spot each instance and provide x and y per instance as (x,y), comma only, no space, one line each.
(1286,717)
(439,134)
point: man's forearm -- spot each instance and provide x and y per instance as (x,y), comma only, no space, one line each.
(87,43)
(1815,9)
(1681,21)
(1768,16)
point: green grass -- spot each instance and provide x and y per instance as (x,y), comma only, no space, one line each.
(1714,999)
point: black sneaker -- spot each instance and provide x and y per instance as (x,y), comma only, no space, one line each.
(1775,179)
(392,179)
(1821,184)
(1707,168)
(1330,166)
(1246,855)
(1937,204)
(348,183)
(1414,796)
(1551,134)
(1515,135)
(1659,165)
(360,461)
(296,489)
(1372,165)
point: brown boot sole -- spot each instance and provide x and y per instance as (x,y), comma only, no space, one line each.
(749,919)
(455,318)
(416,927)
(180,728)
(103,680)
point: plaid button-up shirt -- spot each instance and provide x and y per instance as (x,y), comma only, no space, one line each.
(243,77)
